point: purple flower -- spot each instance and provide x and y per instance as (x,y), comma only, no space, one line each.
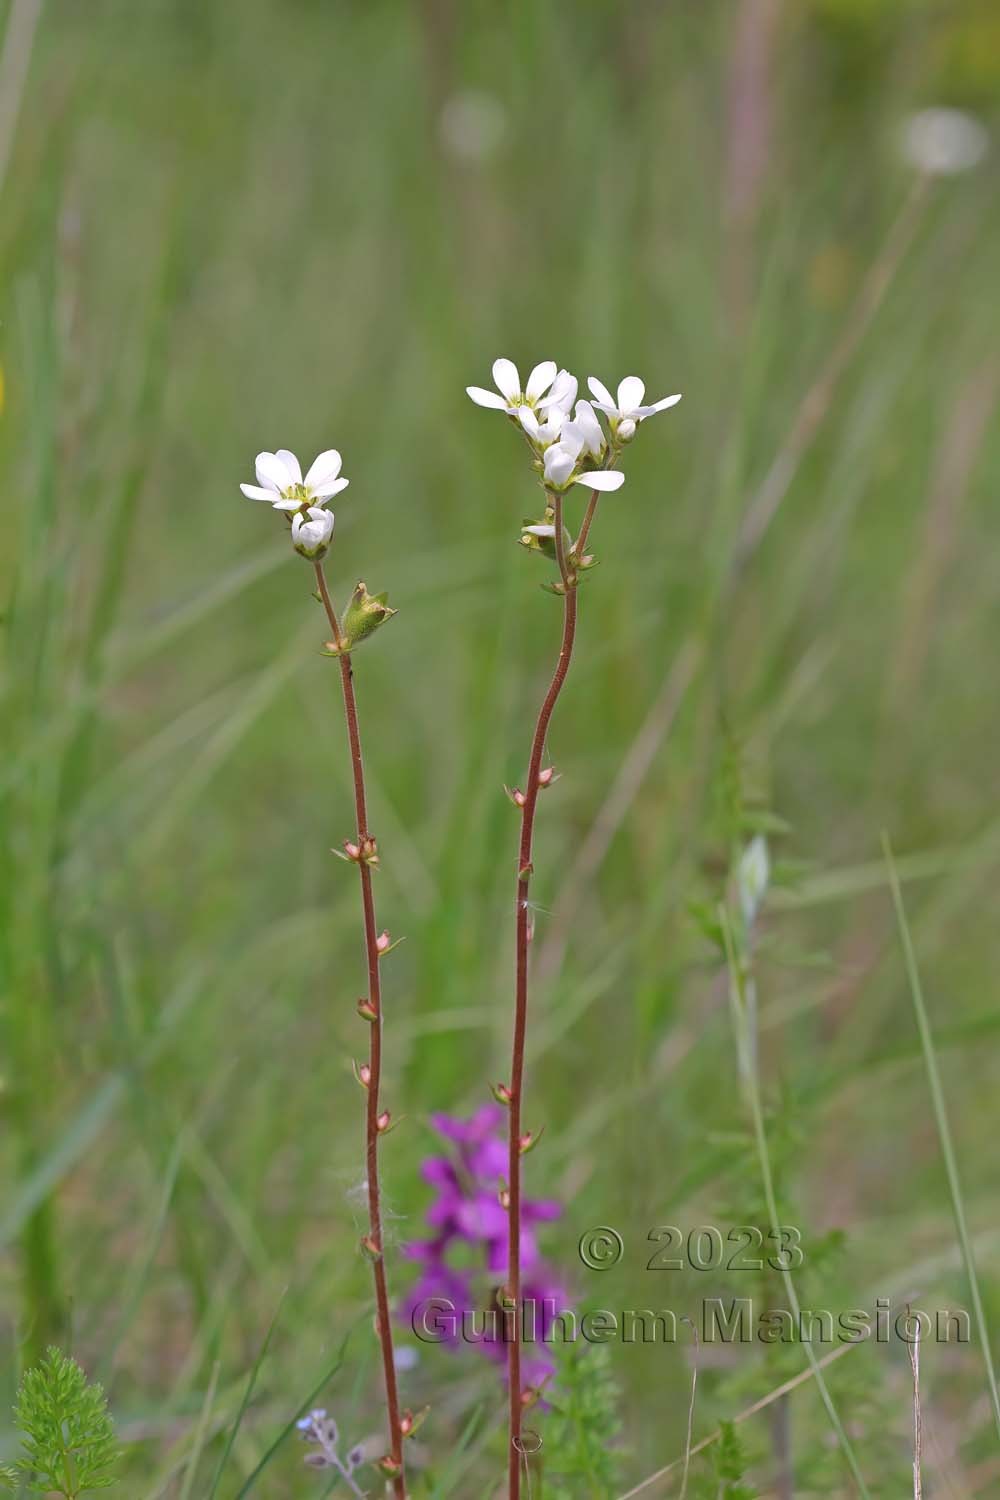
(466,1217)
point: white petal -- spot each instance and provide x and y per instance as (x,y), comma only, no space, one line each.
(540,530)
(602,479)
(328,490)
(528,421)
(297,525)
(540,379)
(506,377)
(280,504)
(323,468)
(272,472)
(630,393)
(559,463)
(291,463)
(572,438)
(486,398)
(254,492)
(590,427)
(563,391)
(605,400)
(668,401)
(322,520)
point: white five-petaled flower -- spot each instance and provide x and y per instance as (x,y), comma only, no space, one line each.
(312,537)
(508,383)
(281,484)
(585,429)
(627,411)
(562,458)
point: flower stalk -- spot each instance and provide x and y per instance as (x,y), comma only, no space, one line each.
(376,1120)
(567,448)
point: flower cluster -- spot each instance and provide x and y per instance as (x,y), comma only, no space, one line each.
(570,446)
(281,485)
(319,1430)
(464,1260)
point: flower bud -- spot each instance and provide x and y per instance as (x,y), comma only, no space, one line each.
(529,1140)
(390,1466)
(366,1010)
(503,1198)
(383,943)
(352,851)
(311,537)
(625,431)
(384,1122)
(516,795)
(501,1093)
(410,1423)
(363,615)
(363,1074)
(547,776)
(370,1249)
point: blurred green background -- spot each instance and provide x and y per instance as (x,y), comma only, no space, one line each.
(232,226)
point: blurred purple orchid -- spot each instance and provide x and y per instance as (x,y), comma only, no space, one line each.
(469,1223)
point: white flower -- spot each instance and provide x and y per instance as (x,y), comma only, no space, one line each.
(752,877)
(280,480)
(562,458)
(585,429)
(944,141)
(508,383)
(542,433)
(311,538)
(562,392)
(628,407)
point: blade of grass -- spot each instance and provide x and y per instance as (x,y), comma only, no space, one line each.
(941,1121)
(748,1069)
(248,1392)
(289,1426)
(200,1434)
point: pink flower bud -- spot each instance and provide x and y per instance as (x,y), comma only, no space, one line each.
(501,1093)
(366,1010)
(363,1074)
(351,850)
(503,1198)
(383,942)
(546,777)
(383,1122)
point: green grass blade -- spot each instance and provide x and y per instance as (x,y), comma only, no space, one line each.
(245,1402)
(941,1120)
(750,1078)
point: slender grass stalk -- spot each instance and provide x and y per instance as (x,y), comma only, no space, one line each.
(374,1240)
(743,1008)
(941,1120)
(516,1140)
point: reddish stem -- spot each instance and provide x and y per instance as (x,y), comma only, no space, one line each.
(522,939)
(382,1320)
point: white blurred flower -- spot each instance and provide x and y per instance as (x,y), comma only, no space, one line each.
(508,383)
(472,124)
(628,408)
(944,142)
(752,877)
(280,481)
(311,537)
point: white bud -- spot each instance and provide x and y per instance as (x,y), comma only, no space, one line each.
(626,430)
(311,538)
(752,878)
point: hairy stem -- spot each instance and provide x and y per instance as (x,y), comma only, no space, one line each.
(383,1324)
(522,940)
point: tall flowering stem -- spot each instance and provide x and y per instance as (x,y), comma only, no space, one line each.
(516,1139)
(375,1121)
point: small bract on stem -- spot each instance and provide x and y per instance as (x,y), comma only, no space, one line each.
(565,450)
(281,484)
